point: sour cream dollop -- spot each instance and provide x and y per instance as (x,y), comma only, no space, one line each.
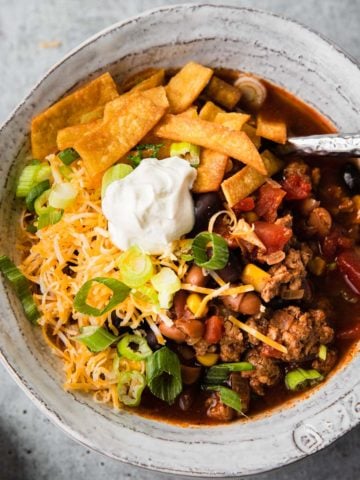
(152,206)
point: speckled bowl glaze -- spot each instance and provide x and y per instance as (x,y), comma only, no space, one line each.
(279,50)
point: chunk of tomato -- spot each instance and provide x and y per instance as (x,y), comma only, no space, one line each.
(273,236)
(269,201)
(348,263)
(245,205)
(297,186)
(214,329)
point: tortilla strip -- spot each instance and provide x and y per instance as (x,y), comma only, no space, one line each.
(270,125)
(184,88)
(156,95)
(67,137)
(96,114)
(209,111)
(210,172)
(68,111)
(213,136)
(233,120)
(213,165)
(247,180)
(251,133)
(223,93)
(155,80)
(103,146)
(136,78)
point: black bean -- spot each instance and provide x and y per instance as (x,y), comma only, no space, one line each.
(233,269)
(351,177)
(152,341)
(206,204)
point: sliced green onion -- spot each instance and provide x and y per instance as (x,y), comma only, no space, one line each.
(49,217)
(27,180)
(166,282)
(186,150)
(62,195)
(187,257)
(35,192)
(300,378)
(21,287)
(219,373)
(130,388)
(163,374)
(120,292)
(146,296)
(133,347)
(44,173)
(135,267)
(66,171)
(31,176)
(322,352)
(117,172)
(40,204)
(96,338)
(220,252)
(69,155)
(228,397)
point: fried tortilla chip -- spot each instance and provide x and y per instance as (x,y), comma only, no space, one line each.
(223,93)
(96,114)
(210,172)
(213,136)
(247,180)
(156,95)
(68,111)
(272,126)
(67,137)
(119,133)
(184,88)
(136,78)
(209,111)
(233,120)
(251,133)
(155,80)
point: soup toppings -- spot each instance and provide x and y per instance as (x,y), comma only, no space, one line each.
(174,262)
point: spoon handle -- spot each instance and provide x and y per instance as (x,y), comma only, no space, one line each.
(336,145)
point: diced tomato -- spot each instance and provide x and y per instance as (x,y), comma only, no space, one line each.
(273,236)
(271,352)
(214,329)
(268,202)
(245,205)
(297,186)
(334,243)
(348,263)
(350,333)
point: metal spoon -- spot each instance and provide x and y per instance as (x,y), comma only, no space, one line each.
(335,145)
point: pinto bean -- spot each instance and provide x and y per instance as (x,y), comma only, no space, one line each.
(172,332)
(190,375)
(245,303)
(321,220)
(192,328)
(250,304)
(195,276)
(180,303)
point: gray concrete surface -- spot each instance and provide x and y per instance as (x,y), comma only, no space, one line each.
(31,448)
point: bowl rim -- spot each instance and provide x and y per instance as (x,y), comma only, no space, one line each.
(10,367)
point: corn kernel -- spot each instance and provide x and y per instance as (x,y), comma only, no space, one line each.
(317,266)
(208,360)
(251,217)
(193,302)
(255,276)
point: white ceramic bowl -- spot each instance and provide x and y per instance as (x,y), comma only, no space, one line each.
(279,50)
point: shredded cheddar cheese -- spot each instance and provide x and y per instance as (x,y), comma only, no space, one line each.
(59,259)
